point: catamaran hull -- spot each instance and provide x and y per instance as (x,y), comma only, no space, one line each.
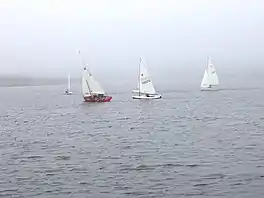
(92,99)
(148,98)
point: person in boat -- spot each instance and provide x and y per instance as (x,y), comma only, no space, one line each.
(147,95)
(210,86)
(97,97)
(101,96)
(66,91)
(94,97)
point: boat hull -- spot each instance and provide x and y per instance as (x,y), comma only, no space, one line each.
(147,97)
(93,99)
(213,88)
(69,93)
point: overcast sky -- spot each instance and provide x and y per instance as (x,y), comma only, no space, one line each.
(41,36)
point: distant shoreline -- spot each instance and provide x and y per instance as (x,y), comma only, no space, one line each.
(27,81)
(20,85)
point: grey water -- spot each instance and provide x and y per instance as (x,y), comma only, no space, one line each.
(189,144)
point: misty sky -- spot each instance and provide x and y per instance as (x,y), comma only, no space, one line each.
(41,36)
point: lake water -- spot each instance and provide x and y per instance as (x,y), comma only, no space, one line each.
(189,144)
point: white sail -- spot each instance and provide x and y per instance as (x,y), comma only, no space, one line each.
(85,87)
(205,80)
(210,77)
(90,85)
(69,82)
(145,82)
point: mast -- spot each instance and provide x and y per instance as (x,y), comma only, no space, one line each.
(207,62)
(69,82)
(88,84)
(139,77)
(83,62)
(89,88)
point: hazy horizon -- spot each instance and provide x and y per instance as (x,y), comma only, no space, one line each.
(40,38)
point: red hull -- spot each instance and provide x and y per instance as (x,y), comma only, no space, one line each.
(103,99)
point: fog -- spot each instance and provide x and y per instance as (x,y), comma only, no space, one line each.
(40,37)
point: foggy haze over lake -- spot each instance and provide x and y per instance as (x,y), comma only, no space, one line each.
(40,38)
(61,139)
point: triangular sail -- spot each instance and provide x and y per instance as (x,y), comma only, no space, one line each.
(85,87)
(90,85)
(210,76)
(205,80)
(145,82)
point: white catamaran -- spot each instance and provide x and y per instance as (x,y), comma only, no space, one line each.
(68,90)
(146,88)
(210,79)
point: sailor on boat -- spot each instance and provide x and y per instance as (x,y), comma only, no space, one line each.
(67,92)
(99,97)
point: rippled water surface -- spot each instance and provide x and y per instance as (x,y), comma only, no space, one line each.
(189,144)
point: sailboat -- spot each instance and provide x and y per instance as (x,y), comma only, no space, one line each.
(92,90)
(68,90)
(210,79)
(146,88)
